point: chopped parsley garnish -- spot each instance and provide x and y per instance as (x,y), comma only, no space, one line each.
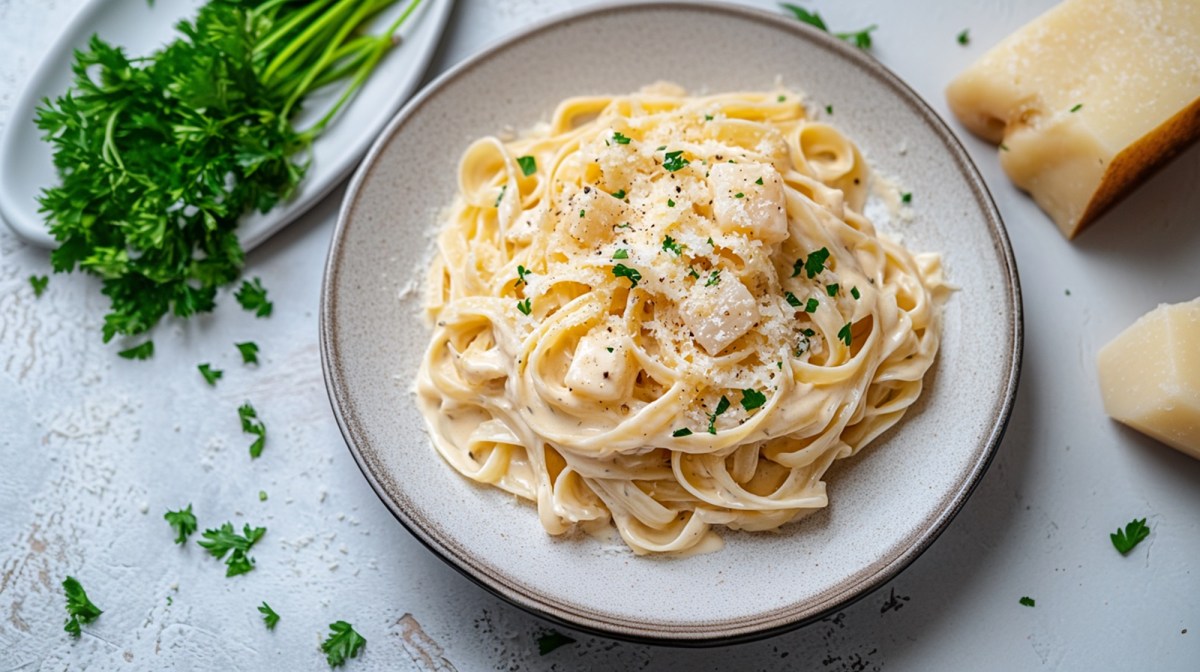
(343,642)
(1078,106)
(660,148)
(522,272)
(80,610)
(682,431)
(714,278)
(582,213)
(525,306)
(844,334)
(262,495)
(269,615)
(829,109)
(528,165)
(792,300)
(619,138)
(739,195)
(183,522)
(673,161)
(252,425)
(249,351)
(211,375)
(832,289)
(671,245)
(226,541)
(38,284)
(142,351)
(860,38)
(809,333)
(692,272)
(253,297)
(623,271)
(1027,601)
(812,265)
(752,399)
(711,243)
(906,197)
(758,181)
(855,293)
(620,193)
(964,38)
(811,306)
(625,225)
(670,203)
(551,640)
(781,98)
(500,196)
(722,406)
(621,254)
(1132,535)
(708,117)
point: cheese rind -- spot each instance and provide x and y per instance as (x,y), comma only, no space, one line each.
(1150,376)
(1087,100)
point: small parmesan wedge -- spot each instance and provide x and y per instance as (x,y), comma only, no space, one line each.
(1087,100)
(1150,376)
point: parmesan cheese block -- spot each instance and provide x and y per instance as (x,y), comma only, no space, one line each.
(1150,376)
(1087,100)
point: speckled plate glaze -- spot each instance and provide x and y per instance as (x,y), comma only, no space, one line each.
(886,505)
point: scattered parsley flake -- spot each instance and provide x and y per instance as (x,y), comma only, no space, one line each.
(906,197)
(692,272)
(832,289)
(249,351)
(623,271)
(619,138)
(621,254)
(609,349)
(829,109)
(813,264)
(525,306)
(844,334)
(269,615)
(1027,601)
(809,333)
(682,431)
(1078,106)
(142,351)
(343,642)
(752,399)
(38,284)
(671,245)
(758,181)
(722,406)
(781,98)
(226,541)
(626,225)
(812,305)
(618,194)
(253,297)
(183,522)
(252,425)
(711,243)
(708,117)
(211,375)
(670,203)
(80,609)
(1132,535)
(582,213)
(739,195)
(528,165)
(855,293)
(262,495)
(792,300)
(551,640)
(964,38)
(674,161)
(660,148)
(500,196)
(522,273)
(714,278)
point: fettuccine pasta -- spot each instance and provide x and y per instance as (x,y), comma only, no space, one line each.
(669,313)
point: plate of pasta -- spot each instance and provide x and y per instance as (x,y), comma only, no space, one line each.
(693,346)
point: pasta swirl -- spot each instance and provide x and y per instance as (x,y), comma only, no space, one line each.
(669,313)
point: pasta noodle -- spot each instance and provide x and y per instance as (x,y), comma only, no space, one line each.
(669,313)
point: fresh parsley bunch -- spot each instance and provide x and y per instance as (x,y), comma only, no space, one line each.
(159,157)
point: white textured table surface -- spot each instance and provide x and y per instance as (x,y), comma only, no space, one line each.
(93,449)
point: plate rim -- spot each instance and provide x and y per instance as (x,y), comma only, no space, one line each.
(713,633)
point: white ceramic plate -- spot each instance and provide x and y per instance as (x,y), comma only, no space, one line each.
(26,161)
(886,505)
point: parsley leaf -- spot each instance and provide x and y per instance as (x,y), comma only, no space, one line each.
(269,615)
(253,297)
(813,264)
(759,181)
(551,640)
(623,271)
(183,522)
(142,351)
(792,300)
(226,541)
(619,138)
(211,375)
(618,194)
(964,38)
(714,278)
(811,305)
(739,195)
(906,197)
(1133,534)
(752,399)
(855,293)
(249,351)
(722,406)
(252,425)
(860,38)
(829,109)
(38,284)
(671,245)
(621,254)
(521,273)
(343,642)
(80,610)
(844,334)
(831,289)
(670,203)
(528,165)
(1027,601)
(500,196)
(682,431)
(526,306)
(674,161)
(1078,106)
